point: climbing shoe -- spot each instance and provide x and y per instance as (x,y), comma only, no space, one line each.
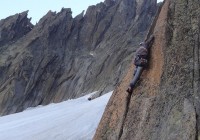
(129,90)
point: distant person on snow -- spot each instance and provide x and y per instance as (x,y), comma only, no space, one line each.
(140,61)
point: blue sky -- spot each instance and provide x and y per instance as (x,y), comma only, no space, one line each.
(38,8)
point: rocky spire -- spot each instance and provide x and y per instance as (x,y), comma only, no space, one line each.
(14,27)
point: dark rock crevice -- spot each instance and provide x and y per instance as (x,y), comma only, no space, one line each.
(127,106)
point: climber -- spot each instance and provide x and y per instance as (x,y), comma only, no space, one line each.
(140,61)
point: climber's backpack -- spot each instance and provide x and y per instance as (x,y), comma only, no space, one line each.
(141,61)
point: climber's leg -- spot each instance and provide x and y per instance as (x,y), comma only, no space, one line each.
(135,79)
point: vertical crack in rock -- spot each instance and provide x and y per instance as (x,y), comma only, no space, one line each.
(128,98)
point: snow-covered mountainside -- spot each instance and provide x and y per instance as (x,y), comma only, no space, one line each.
(72,120)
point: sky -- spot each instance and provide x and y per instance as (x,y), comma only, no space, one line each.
(38,8)
(75,119)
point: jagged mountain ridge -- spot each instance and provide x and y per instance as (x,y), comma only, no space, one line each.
(165,104)
(61,57)
(14,27)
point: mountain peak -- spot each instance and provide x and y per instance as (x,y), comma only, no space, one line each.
(14,27)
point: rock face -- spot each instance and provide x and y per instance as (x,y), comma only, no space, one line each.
(165,104)
(14,27)
(62,57)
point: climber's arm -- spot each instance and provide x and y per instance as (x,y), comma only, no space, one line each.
(149,42)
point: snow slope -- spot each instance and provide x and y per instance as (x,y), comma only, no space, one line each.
(70,120)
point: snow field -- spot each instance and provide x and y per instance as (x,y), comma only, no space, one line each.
(75,119)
